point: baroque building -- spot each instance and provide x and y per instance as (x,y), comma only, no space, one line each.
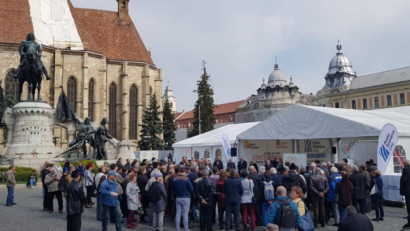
(272,97)
(97,56)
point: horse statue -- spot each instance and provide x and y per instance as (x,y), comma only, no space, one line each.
(31,68)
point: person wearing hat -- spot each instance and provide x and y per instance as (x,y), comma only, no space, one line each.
(158,208)
(293,179)
(75,202)
(109,200)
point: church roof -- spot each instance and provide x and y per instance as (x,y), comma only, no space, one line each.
(15,21)
(381,78)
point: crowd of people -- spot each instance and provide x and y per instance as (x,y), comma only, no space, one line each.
(276,195)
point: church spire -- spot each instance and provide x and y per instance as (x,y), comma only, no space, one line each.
(123,10)
(338,47)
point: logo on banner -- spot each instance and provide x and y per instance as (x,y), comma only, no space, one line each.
(388,139)
(226,144)
(308,146)
(249,145)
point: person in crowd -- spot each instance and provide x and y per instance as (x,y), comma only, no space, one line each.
(204,191)
(158,208)
(132,192)
(319,187)
(405,189)
(293,179)
(182,190)
(332,197)
(297,195)
(215,174)
(44,172)
(231,164)
(142,181)
(66,166)
(163,170)
(378,195)
(218,163)
(345,190)
(193,175)
(271,227)
(267,197)
(285,220)
(58,168)
(359,186)
(119,163)
(109,199)
(11,182)
(154,169)
(233,191)
(354,221)
(89,182)
(268,165)
(257,194)
(247,206)
(242,164)
(261,172)
(222,197)
(32,179)
(275,178)
(75,202)
(207,164)
(128,164)
(367,202)
(81,170)
(214,177)
(51,180)
(323,166)
(252,163)
(274,162)
(99,178)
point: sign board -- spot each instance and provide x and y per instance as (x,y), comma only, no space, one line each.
(391,188)
(259,151)
(350,161)
(226,144)
(316,149)
(148,155)
(387,142)
(299,159)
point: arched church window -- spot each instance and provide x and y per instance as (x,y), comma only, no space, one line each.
(133,113)
(12,88)
(170,105)
(123,3)
(72,93)
(91,99)
(112,118)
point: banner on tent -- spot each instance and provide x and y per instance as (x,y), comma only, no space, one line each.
(315,149)
(259,151)
(226,144)
(299,159)
(387,142)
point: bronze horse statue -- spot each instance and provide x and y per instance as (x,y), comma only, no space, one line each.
(32,74)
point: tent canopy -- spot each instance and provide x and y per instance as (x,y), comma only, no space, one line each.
(214,137)
(300,122)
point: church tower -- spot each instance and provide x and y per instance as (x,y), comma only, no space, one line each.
(169,94)
(123,9)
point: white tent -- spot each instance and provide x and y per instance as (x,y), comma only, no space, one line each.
(207,144)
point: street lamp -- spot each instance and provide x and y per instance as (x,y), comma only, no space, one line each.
(199,110)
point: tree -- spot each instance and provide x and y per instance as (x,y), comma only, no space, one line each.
(168,126)
(151,127)
(204,105)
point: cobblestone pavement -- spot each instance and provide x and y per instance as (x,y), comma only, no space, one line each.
(27,215)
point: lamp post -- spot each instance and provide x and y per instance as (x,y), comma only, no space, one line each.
(199,110)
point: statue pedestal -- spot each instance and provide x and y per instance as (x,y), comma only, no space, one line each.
(30,131)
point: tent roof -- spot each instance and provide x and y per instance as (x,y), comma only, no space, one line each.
(301,122)
(214,137)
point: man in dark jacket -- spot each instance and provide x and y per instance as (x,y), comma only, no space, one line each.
(258,194)
(218,163)
(293,179)
(319,187)
(367,202)
(75,203)
(193,175)
(142,181)
(359,185)
(233,191)
(405,189)
(354,221)
(242,164)
(231,164)
(204,191)
(44,173)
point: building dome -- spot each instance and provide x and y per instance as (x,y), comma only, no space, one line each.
(291,84)
(277,77)
(340,63)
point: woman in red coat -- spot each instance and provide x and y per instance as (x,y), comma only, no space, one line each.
(221,201)
(344,189)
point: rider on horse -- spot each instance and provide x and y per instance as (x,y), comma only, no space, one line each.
(29,46)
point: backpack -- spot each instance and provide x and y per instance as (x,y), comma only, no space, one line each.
(155,192)
(268,191)
(320,185)
(62,183)
(285,217)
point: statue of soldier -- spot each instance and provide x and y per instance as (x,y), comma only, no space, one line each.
(83,135)
(25,45)
(100,138)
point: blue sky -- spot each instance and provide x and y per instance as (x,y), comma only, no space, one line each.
(239,40)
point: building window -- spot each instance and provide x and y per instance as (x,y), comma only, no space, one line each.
(12,85)
(91,99)
(112,110)
(376,102)
(133,113)
(207,154)
(196,154)
(389,103)
(402,99)
(337,105)
(218,153)
(396,162)
(364,103)
(353,104)
(72,93)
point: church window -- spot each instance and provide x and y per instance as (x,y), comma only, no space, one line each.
(337,105)
(133,113)
(364,103)
(402,99)
(91,99)
(72,93)
(389,102)
(12,88)
(112,110)
(123,3)
(353,104)
(170,105)
(376,102)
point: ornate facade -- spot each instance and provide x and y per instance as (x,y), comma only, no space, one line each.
(112,76)
(172,100)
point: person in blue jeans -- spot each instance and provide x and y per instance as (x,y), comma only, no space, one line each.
(266,202)
(11,182)
(109,200)
(32,179)
(182,190)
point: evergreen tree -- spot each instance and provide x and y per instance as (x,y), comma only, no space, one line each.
(168,126)
(204,105)
(151,128)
